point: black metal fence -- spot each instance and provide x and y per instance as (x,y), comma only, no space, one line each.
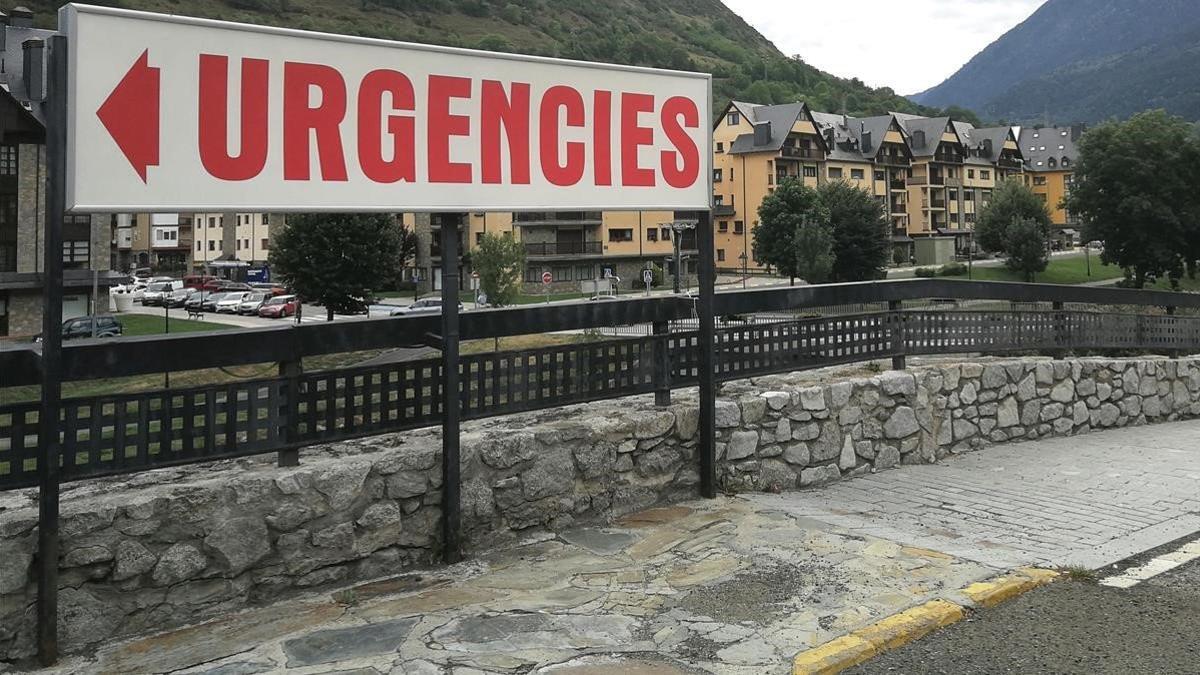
(121,433)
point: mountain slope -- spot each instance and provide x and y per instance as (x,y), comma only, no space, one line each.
(1080,43)
(699,35)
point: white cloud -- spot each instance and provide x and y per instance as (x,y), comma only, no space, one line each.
(908,45)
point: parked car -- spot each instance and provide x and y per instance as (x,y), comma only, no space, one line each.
(423,306)
(229,302)
(252,302)
(197,280)
(178,298)
(81,327)
(271,290)
(155,292)
(209,304)
(195,301)
(278,307)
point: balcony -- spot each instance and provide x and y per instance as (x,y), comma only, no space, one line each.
(899,208)
(897,185)
(1009,163)
(558,218)
(794,152)
(893,160)
(564,248)
(721,210)
(937,203)
(948,158)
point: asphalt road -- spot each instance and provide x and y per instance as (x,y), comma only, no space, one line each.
(1069,628)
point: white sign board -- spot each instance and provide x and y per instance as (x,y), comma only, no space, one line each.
(178,114)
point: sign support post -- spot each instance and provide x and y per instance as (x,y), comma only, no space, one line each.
(451,399)
(48,441)
(708,357)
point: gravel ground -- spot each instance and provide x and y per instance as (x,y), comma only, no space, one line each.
(1068,628)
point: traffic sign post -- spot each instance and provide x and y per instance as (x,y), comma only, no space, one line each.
(547,279)
(194,115)
(648,277)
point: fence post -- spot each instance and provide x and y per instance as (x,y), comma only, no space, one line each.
(48,443)
(1060,331)
(451,401)
(1172,353)
(292,369)
(662,364)
(707,419)
(896,319)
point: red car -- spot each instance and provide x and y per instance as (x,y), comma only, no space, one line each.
(279,306)
(199,281)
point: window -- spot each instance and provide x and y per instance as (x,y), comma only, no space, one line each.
(1062,147)
(666,234)
(533,274)
(212,245)
(1036,135)
(266,244)
(199,245)
(75,253)
(720,255)
(856,174)
(969,195)
(1042,196)
(880,176)
(239,244)
(8,160)
(716,175)
(562,273)
(985,174)
(266,220)
(652,234)
(718,200)
(212,221)
(810,171)
(738,227)
(620,234)
(723,226)
(970,173)
(733,119)
(731,173)
(720,146)
(246,245)
(1052,162)
(835,172)
(584,272)
(1066,161)
(953,193)
(478,238)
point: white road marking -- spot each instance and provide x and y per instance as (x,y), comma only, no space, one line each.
(1154,567)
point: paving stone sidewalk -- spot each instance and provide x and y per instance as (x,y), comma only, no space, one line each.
(735,585)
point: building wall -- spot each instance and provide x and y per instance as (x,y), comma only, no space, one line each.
(1053,190)
(252,230)
(31,207)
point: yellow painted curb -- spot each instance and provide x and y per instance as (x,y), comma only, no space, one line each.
(912,624)
(996,591)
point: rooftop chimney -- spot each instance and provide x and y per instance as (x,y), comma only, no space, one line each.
(762,133)
(866,141)
(1077,131)
(20,17)
(34,71)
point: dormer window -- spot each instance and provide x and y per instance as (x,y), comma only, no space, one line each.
(1052,162)
(1066,161)
(733,119)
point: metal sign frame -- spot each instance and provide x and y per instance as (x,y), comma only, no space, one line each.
(69,12)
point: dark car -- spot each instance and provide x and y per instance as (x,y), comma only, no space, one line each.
(106,327)
(179,298)
(209,304)
(195,301)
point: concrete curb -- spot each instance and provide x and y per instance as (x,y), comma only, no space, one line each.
(900,629)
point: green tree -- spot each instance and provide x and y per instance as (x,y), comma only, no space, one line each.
(860,231)
(337,259)
(1025,242)
(1012,200)
(781,216)
(500,262)
(1135,190)
(814,253)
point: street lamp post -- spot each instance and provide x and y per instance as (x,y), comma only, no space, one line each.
(678,227)
(743,258)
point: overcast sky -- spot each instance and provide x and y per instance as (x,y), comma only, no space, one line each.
(908,45)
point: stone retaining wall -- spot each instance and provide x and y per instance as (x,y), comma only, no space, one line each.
(169,547)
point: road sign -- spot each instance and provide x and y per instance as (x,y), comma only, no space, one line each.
(174,114)
(474,275)
(547,278)
(648,276)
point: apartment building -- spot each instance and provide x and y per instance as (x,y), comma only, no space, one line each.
(573,246)
(177,243)
(23,169)
(932,175)
(1049,155)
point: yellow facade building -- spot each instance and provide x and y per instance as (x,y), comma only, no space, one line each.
(1050,154)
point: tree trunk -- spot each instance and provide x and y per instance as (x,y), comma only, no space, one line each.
(328,313)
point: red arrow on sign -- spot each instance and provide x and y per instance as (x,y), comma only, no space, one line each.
(130,114)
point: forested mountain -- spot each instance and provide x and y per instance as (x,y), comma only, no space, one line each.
(1085,61)
(684,34)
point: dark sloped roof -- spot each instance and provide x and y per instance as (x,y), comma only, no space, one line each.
(1039,146)
(781,118)
(933,127)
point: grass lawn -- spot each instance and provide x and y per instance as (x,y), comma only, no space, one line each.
(148,324)
(1061,270)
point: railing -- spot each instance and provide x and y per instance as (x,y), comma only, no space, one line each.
(565,248)
(792,151)
(723,210)
(759,332)
(558,217)
(897,185)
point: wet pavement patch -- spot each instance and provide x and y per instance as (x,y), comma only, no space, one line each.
(765,593)
(339,644)
(600,542)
